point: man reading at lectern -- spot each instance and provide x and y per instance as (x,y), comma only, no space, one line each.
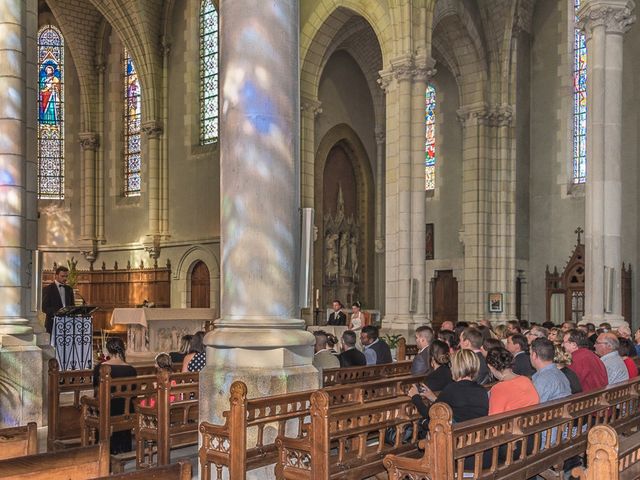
(56,295)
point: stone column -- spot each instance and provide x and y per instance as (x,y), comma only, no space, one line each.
(310,108)
(604,22)
(153,130)
(258,338)
(89,144)
(379,239)
(21,360)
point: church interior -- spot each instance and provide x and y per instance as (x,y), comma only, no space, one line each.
(234,184)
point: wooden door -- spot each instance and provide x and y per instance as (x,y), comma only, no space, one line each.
(445,297)
(200,286)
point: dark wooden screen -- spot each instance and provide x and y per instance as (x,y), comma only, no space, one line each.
(444,289)
(200,286)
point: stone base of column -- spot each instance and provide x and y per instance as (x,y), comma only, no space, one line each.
(613,319)
(270,361)
(23,395)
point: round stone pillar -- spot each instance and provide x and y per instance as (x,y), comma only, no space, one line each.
(258,339)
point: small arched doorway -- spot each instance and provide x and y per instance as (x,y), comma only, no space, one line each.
(200,286)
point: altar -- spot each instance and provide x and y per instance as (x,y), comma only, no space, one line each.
(160,329)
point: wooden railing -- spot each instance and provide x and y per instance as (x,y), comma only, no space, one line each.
(177,471)
(341,376)
(171,422)
(518,444)
(406,352)
(247,439)
(610,457)
(18,441)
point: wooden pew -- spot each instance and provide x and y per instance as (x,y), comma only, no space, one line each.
(518,444)
(19,441)
(168,424)
(406,352)
(261,419)
(335,376)
(64,418)
(70,464)
(610,457)
(96,418)
(176,471)
(349,441)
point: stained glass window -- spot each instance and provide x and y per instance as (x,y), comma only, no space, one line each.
(579,103)
(430,140)
(50,113)
(208,73)
(132,119)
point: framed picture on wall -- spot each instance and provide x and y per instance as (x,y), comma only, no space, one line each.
(495,303)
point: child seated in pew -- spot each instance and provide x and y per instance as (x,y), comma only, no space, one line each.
(120,441)
(163,362)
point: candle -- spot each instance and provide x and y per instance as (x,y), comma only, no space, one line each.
(317,298)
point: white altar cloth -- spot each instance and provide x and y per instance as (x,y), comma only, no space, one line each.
(140,316)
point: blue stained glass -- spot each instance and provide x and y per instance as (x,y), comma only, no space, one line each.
(579,103)
(208,73)
(430,138)
(50,113)
(132,130)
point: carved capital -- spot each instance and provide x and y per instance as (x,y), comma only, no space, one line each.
(424,69)
(152,129)
(312,106)
(380,136)
(472,114)
(385,79)
(617,17)
(379,245)
(500,116)
(89,141)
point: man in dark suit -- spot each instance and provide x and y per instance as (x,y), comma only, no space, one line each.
(471,339)
(517,345)
(421,364)
(337,317)
(56,295)
(351,356)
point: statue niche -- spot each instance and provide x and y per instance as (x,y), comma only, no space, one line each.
(341,249)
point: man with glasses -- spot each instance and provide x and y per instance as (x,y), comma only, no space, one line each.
(588,367)
(607,346)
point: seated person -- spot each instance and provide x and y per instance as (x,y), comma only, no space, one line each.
(323,357)
(421,364)
(196,359)
(178,357)
(627,351)
(512,391)
(351,356)
(163,362)
(376,351)
(517,345)
(120,441)
(440,375)
(562,360)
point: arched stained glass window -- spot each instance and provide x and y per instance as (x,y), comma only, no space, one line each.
(50,113)
(208,73)
(132,119)
(579,102)
(430,140)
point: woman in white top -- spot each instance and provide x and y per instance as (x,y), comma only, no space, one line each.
(357,317)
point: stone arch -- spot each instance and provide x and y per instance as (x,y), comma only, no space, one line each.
(344,136)
(182,277)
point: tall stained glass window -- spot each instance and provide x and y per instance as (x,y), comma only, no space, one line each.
(132,119)
(430,140)
(579,102)
(50,113)
(208,73)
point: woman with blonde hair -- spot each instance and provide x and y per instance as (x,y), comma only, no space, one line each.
(467,399)
(500,332)
(555,335)
(562,360)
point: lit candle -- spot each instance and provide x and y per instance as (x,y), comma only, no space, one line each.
(317,298)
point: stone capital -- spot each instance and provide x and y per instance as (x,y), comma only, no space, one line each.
(380,136)
(615,15)
(89,140)
(311,106)
(424,69)
(472,114)
(152,129)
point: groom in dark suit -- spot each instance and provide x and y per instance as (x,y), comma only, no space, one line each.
(337,317)
(56,295)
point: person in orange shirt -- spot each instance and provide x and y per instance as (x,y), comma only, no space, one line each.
(512,391)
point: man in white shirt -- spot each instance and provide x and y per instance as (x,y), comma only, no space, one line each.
(56,295)
(607,346)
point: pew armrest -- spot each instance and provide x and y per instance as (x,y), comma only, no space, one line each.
(405,467)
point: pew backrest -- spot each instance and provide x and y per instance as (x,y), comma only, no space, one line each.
(19,441)
(334,376)
(609,456)
(74,463)
(176,471)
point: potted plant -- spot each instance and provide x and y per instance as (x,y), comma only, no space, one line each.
(392,341)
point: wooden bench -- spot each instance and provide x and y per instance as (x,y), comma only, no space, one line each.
(518,444)
(74,463)
(96,416)
(262,419)
(349,441)
(406,352)
(176,471)
(64,417)
(335,376)
(610,457)
(168,424)
(18,441)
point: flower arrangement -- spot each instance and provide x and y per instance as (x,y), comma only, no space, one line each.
(101,354)
(392,340)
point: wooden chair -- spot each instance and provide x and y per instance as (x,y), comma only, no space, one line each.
(19,441)
(610,457)
(519,444)
(74,463)
(176,471)
(168,424)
